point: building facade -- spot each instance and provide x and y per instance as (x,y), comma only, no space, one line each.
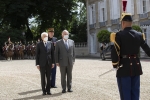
(105,14)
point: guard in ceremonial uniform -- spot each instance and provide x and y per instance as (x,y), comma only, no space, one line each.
(53,71)
(125,58)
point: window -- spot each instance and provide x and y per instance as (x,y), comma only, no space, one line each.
(92,14)
(92,18)
(144,6)
(103,10)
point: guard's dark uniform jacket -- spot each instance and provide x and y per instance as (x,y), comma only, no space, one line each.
(127,44)
(54,39)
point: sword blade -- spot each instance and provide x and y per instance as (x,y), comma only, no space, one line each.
(106,72)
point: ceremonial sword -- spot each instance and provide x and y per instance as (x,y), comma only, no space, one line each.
(107,72)
(113,69)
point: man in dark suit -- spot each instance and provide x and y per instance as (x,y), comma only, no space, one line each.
(125,58)
(65,58)
(53,71)
(45,61)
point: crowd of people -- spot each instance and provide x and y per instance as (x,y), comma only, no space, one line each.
(18,50)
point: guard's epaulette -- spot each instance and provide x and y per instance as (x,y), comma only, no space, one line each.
(112,37)
(143,36)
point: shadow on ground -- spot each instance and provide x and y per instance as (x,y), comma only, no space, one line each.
(28,92)
(37,96)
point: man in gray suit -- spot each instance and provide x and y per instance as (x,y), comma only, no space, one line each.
(45,61)
(65,58)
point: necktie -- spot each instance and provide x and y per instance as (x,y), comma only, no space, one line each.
(66,45)
(45,46)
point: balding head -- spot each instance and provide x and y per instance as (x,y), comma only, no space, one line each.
(65,34)
(125,24)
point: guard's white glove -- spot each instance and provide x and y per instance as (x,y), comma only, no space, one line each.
(115,69)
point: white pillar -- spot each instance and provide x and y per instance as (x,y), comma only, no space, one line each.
(88,30)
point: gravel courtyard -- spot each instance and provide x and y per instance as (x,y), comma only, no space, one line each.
(20,80)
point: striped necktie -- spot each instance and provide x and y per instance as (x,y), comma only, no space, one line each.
(66,45)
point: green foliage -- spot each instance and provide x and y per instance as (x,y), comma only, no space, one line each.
(79,23)
(103,36)
(137,28)
(60,14)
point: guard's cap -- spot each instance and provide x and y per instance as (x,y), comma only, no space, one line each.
(50,29)
(126,17)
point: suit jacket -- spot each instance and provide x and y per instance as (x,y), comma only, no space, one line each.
(63,56)
(129,42)
(44,55)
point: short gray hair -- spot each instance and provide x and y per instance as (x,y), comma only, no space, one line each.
(65,31)
(44,33)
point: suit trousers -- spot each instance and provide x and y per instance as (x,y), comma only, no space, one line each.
(45,72)
(129,87)
(66,71)
(53,76)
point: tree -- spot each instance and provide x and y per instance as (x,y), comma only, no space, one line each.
(103,36)
(16,13)
(137,28)
(79,23)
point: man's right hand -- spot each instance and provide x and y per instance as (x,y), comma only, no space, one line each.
(38,67)
(57,64)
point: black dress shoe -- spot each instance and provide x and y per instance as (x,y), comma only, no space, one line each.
(53,86)
(69,90)
(44,93)
(48,93)
(63,91)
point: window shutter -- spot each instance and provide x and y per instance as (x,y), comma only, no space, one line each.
(99,11)
(115,11)
(118,4)
(110,7)
(105,9)
(141,6)
(138,7)
(129,6)
(147,6)
(90,10)
(94,14)
(88,14)
(132,7)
